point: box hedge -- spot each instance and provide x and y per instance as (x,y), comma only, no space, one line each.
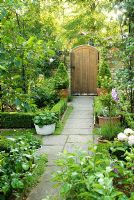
(60,108)
(16,120)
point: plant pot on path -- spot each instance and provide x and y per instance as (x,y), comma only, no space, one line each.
(113,120)
(45,123)
(45,130)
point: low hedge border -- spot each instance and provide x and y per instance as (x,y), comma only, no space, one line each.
(16,120)
(25,120)
(60,108)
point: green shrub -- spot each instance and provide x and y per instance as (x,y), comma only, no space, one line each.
(60,108)
(104,69)
(128,119)
(97,105)
(61,77)
(104,75)
(5,144)
(16,120)
(105,83)
(44,94)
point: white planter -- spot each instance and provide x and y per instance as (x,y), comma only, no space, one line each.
(45,130)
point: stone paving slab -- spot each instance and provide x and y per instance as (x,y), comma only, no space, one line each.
(72,121)
(52,159)
(81,112)
(77,131)
(78,125)
(71,147)
(50,149)
(59,140)
(44,189)
(81,116)
(79,138)
(48,175)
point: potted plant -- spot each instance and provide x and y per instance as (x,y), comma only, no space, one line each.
(109,112)
(45,123)
(62,81)
(107,132)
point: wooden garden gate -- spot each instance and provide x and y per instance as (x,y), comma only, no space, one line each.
(84,67)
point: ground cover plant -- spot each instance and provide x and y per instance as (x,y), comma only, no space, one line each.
(20,167)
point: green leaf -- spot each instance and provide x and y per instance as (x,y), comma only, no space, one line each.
(65,188)
(3,68)
(3,13)
(17,184)
(18,62)
(116,193)
(25,166)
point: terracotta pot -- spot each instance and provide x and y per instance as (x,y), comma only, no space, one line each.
(113,120)
(101,91)
(63,93)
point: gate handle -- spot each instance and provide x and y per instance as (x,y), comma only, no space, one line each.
(73,67)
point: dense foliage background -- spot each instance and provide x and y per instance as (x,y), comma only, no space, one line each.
(37,35)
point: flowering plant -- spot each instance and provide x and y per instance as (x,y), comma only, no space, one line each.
(115,95)
(127,135)
(109,104)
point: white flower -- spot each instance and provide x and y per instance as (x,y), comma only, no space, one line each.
(131,140)
(51,60)
(122,137)
(128,131)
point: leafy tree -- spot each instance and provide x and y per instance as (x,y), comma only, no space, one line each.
(127,47)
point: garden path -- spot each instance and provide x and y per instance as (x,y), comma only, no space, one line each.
(77,133)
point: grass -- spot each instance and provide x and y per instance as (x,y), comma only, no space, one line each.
(16,132)
(61,124)
(20,132)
